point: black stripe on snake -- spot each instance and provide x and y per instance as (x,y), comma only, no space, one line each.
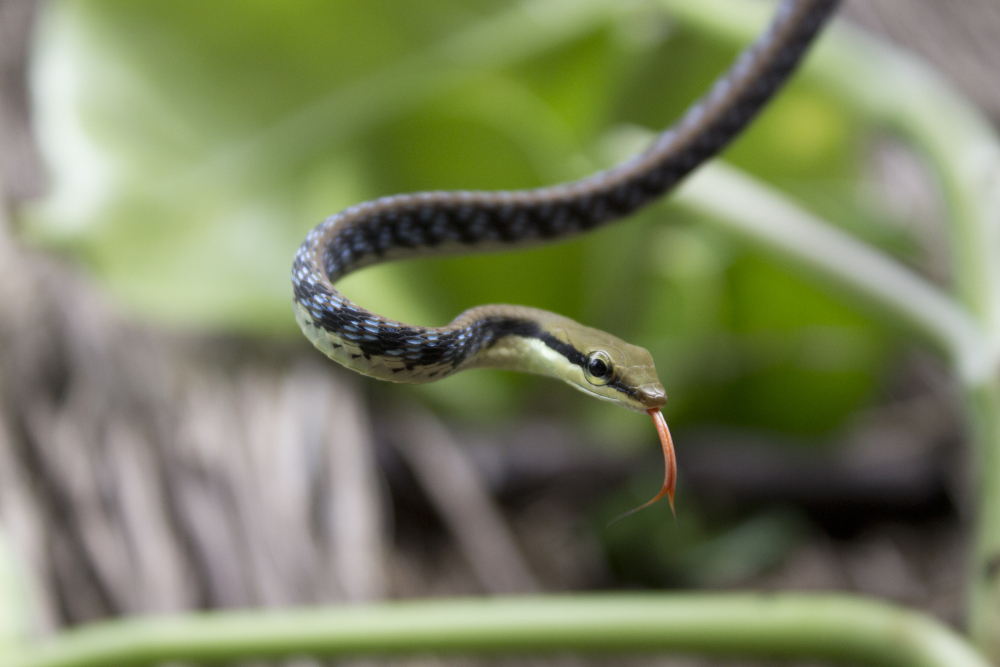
(517,337)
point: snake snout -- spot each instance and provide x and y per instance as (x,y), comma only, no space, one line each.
(652,395)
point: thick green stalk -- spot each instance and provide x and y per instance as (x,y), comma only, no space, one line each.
(826,627)
(983,411)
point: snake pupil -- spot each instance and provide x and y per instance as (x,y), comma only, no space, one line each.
(598,368)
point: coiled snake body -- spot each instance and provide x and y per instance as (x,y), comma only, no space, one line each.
(517,337)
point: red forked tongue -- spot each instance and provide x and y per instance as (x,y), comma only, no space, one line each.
(669,462)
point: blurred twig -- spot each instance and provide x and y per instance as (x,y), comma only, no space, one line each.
(20,164)
(455,487)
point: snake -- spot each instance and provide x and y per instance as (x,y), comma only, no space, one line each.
(520,338)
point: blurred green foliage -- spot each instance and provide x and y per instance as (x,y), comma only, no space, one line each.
(696,548)
(193,146)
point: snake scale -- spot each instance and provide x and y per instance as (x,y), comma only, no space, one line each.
(517,337)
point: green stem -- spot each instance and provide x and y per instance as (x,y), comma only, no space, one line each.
(826,627)
(983,409)
(764,216)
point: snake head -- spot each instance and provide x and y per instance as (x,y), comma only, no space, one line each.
(595,362)
(610,369)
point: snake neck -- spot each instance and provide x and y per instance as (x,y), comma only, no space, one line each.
(484,337)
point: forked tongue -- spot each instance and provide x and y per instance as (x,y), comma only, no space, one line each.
(669,463)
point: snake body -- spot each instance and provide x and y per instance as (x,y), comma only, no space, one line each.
(517,337)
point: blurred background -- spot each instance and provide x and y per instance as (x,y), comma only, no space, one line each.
(169,440)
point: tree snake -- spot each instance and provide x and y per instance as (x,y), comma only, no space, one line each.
(517,337)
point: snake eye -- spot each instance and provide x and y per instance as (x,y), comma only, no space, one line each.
(597,368)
